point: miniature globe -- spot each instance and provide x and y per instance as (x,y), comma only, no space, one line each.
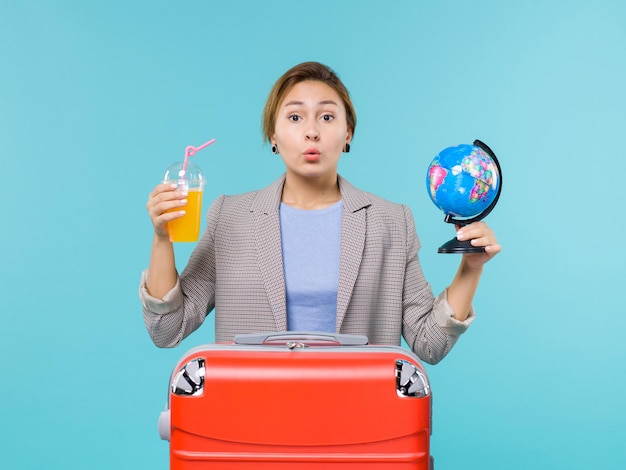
(464,181)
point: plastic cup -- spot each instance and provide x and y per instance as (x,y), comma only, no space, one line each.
(187,227)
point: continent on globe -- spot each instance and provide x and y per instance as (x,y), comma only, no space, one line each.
(436,175)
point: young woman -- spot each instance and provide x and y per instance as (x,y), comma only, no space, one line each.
(310,252)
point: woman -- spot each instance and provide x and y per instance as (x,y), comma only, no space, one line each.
(310,251)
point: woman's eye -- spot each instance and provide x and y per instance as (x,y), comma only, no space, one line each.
(294,118)
(328,117)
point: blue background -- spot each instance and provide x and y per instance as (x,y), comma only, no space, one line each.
(98,98)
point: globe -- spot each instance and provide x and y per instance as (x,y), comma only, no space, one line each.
(464,181)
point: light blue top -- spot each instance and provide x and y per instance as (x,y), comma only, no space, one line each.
(311,242)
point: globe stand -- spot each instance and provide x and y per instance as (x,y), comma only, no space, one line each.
(456,246)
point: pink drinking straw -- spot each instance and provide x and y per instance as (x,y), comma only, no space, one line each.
(190,151)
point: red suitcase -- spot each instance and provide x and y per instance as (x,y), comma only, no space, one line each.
(304,400)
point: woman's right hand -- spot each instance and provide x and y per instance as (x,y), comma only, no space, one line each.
(165,197)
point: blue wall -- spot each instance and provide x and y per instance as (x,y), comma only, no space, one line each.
(97,98)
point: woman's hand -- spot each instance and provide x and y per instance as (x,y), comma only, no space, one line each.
(479,234)
(162,199)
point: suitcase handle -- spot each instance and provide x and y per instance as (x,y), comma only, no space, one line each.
(297,339)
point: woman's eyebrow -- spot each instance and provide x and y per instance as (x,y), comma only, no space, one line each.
(300,103)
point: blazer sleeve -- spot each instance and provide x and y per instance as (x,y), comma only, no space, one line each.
(184,308)
(428,325)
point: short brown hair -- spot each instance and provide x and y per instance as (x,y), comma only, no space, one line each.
(300,73)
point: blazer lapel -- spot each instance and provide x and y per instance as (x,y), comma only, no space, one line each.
(266,214)
(353,229)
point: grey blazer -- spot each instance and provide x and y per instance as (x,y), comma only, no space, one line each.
(237,269)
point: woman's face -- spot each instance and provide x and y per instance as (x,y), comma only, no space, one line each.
(311,129)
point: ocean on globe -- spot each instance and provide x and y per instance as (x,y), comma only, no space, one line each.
(463,181)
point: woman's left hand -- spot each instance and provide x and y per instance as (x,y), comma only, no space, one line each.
(480,234)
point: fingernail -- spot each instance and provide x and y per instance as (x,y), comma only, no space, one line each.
(460,235)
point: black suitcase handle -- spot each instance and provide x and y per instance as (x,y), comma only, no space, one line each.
(298,339)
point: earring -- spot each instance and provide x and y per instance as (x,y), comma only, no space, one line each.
(275,149)
(346,149)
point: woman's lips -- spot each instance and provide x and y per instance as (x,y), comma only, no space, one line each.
(311,155)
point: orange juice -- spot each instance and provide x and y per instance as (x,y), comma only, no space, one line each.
(187,227)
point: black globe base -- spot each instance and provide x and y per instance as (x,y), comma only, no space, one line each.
(456,246)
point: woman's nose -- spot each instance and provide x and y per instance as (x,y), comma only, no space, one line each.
(312,133)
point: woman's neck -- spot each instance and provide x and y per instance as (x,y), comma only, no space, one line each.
(310,194)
